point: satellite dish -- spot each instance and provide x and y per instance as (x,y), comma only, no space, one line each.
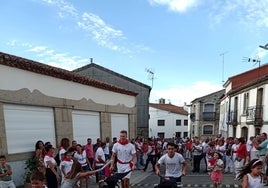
(264,47)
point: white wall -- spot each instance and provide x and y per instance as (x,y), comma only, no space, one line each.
(51,86)
(170,127)
(119,122)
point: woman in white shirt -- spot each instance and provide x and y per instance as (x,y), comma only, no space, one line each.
(52,176)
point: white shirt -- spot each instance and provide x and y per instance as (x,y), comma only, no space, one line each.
(81,158)
(67,166)
(173,165)
(234,148)
(62,152)
(124,152)
(106,149)
(99,153)
(254,182)
(47,159)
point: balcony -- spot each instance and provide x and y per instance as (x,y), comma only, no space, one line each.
(209,116)
(255,115)
(232,118)
(192,116)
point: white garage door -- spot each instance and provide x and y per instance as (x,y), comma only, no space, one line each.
(85,125)
(119,122)
(27,124)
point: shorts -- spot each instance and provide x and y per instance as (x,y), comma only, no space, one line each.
(85,168)
(102,172)
(124,168)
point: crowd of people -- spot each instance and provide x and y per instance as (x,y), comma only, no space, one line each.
(71,164)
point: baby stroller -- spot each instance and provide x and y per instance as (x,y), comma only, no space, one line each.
(167,182)
(113,180)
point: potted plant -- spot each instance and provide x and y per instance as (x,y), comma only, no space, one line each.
(31,164)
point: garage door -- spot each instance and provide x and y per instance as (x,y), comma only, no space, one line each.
(27,124)
(119,122)
(85,125)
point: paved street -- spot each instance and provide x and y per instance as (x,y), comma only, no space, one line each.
(140,179)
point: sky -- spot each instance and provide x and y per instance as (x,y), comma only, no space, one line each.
(189,47)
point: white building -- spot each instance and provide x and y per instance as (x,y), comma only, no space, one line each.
(41,102)
(244,107)
(167,120)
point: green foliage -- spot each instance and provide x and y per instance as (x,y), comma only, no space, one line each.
(31,164)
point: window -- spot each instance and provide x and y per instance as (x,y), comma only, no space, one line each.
(245,105)
(178,134)
(209,107)
(161,122)
(185,122)
(208,129)
(209,112)
(161,135)
(185,134)
(178,122)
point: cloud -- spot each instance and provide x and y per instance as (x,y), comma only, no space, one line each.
(103,34)
(65,8)
(184,94)
(49,56)
(250,12)
(176,5)
(94,26)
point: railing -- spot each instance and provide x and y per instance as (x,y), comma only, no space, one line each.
(192,116)
(255,115)
(209,116)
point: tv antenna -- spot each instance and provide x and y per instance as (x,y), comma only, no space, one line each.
(223,54)
(150,75)
(253,60)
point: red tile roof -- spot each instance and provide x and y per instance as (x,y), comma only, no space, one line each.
(39,68)
(169,107)
(247,77)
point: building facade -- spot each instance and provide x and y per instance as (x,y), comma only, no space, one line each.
(40,102)
(105,75)
(205,114)
(167,121)
(243,108)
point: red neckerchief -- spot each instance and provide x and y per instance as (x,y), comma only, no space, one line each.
(49,155)
(66,159)
(123,142)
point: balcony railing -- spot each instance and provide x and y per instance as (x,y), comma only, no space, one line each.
(232,118)
(255,115)
(209,116)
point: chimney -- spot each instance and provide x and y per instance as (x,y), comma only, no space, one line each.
(91,60)
(162,101)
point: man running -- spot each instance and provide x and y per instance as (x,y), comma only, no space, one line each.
(126,157)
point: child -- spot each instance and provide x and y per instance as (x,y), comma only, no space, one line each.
(66,164)
(76,173)
(5,174)
(251,174)
(38,179)
(216,165)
